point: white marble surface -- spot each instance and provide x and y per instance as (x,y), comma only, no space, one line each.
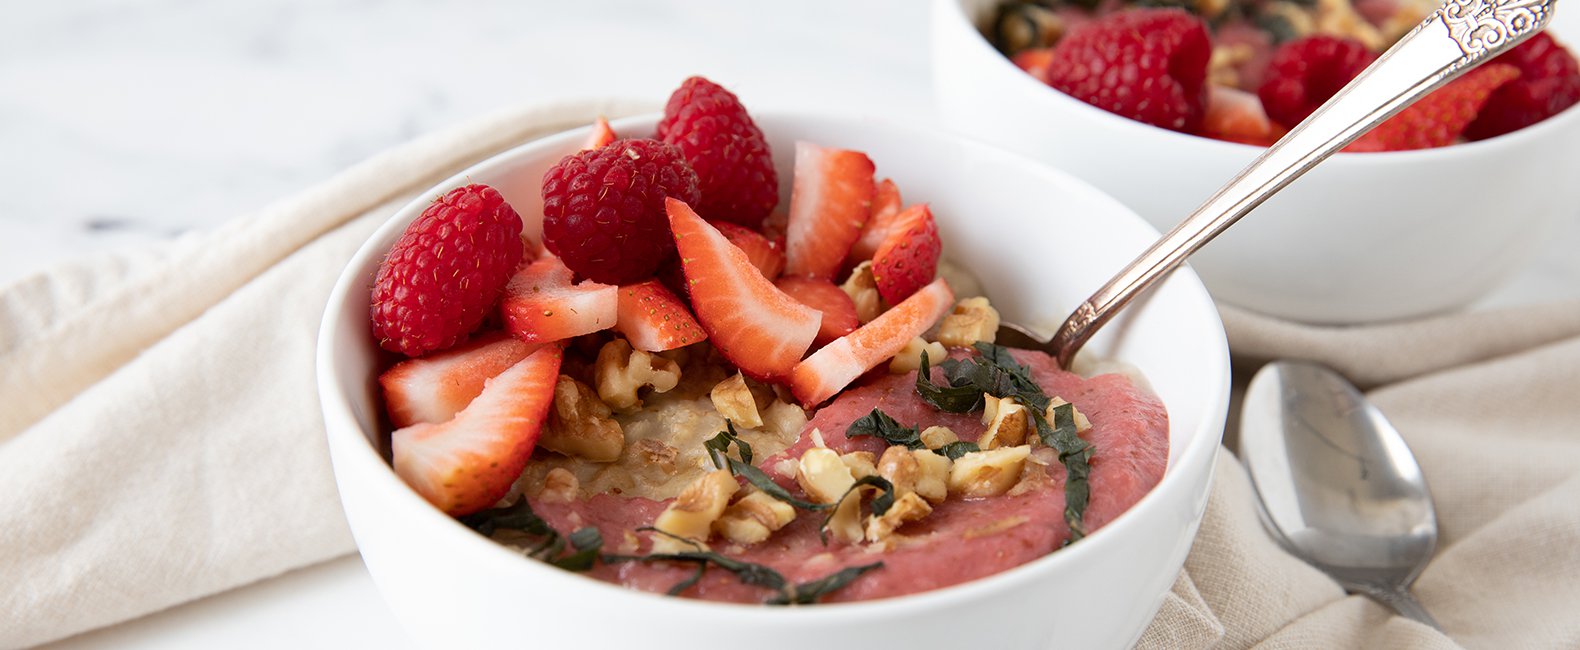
(125,122)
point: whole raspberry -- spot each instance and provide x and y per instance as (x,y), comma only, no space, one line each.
(1549,83)
(1149,65)
(443,275)
(1438,119)
(603,209)
(734,167)
(1306,72)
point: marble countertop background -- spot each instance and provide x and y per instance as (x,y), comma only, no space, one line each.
(129,122)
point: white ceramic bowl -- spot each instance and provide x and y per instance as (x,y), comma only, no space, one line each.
(1363,237)
(1040,242)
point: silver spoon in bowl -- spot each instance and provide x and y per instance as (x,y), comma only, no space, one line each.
(1457,37)
(1338,487)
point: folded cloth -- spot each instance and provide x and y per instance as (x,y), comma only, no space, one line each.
(160,437)
(1490,404)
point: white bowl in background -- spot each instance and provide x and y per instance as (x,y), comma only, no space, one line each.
(1040,242)
(1362,237)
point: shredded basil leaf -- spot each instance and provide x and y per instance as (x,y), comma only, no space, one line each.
(956,449)
(719,446)
(809,592)
(880,504)
(995,372)
(880,425)
(585,542)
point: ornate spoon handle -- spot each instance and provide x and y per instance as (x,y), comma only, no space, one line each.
(1458,37)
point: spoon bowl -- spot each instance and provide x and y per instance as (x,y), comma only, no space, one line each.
(1338,486)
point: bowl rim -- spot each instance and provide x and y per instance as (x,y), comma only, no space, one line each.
(355,458)
(1038,91)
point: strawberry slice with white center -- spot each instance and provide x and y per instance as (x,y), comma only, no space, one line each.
(467,463)
(753,324)
(653,319)
(832,368)
(839,311)
(433,388)
(886,208)
(766,254)
(1237,116)
(600,136)
(908,258)
(829,204)
(541,305)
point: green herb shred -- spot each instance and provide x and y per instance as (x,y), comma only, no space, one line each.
(585,543)
(995,372)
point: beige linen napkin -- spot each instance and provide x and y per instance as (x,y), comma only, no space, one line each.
(1490,403)
(160,438)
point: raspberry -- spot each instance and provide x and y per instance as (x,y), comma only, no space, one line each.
(1306,72)
(734,166)
(603,209)
(1149,65)
(1549,83)
(446,271)
(1438,119)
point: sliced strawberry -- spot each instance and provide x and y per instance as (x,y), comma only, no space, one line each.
(753,324)
(600,136)
(653,319)
(435,387)
(829,203)
(1438,119)
(1236,116)
(886,207)
(908,259)
(1034,61)
(832,368)
(839,311)
(467,463)
(541,305)
(767,255)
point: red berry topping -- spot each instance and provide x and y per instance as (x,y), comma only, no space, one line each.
(445,272)
(603,209)
(886,205)
(839,311)
(1436,120)
(834,366)
(542,306)
(1306,72)
(766,254)
(1236,116)
(1549,83)
(1149,65)
(734,166)
(908,259)
(830,203)
(653,319)
(436,387)
(600,136)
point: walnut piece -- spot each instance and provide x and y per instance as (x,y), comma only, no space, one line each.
(621,372)
(823,475)
(987,473)
(752,518)
(932,475)
(910,357)
(1082,425)
(691,515)
(860,464)
(972,320)
(784,418)
(898,465)
(1007,422)
(560,486)
(908,508)
(580,425)
(733,399)
(862,288)
(936,437)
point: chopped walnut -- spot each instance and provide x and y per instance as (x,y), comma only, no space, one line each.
(823,475)
(1082,425)
(752,518)
(932,475)
(580,425)
(910,357)
(862,288)
(692,513)
(784,418)
(860,464)
(987,473)
(972,320)
(622,371)
(733,399)
(905,509)
(936,437)
(1007,422)
(898,466)
(1339,18)
(560,486)
(845,524)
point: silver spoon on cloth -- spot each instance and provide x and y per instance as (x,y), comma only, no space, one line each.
(1460,35)
(1337,484)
